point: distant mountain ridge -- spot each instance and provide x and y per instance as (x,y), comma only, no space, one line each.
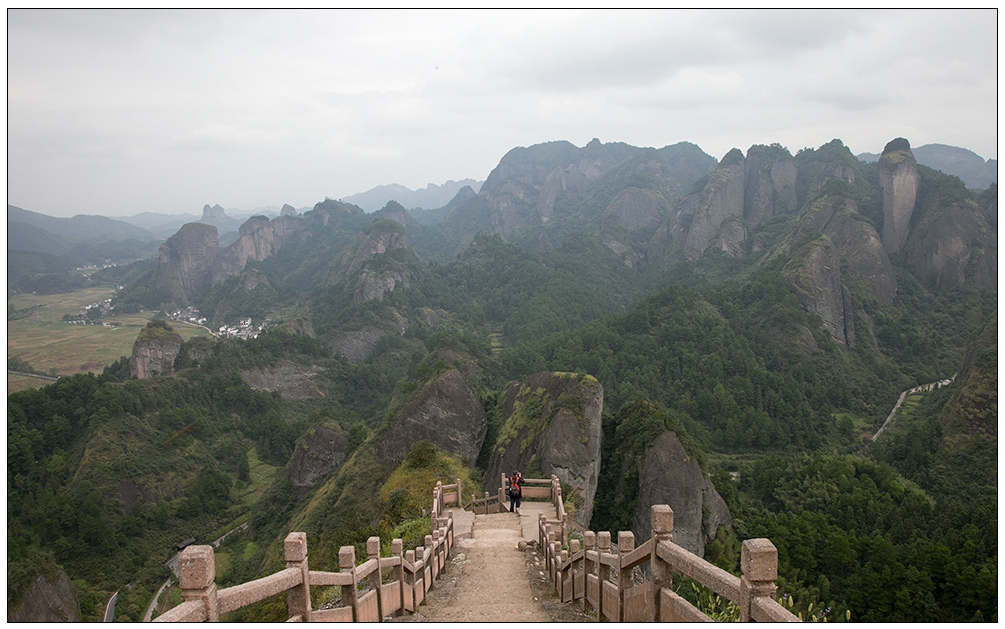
(428,198)
(952,160)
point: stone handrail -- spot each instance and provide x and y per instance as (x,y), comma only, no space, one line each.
(413,573)
(607,582)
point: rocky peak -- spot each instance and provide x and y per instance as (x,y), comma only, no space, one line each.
(898,177)
(721,200)
(288,210)
(155,350)
(185,262)
(214,215)
(447,413)
(669,476)
(552,426)
(318,453)
(380,236)
(258,239)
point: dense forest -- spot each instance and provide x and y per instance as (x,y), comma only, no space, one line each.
(774,394)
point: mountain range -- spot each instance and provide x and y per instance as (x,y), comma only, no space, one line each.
(649,325)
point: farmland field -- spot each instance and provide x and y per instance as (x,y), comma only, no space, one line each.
(37,335)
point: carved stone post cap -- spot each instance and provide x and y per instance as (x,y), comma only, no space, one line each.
(396,546)
(626,541)
(196,568)
(486,494)
(661,517)
(373,546)
(346,557)
(604,540)
(429,541)
(590,539)
(574,546)
(410,556)
(759,560)
(295,546)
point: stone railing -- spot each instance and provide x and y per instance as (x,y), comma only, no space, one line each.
(365,596)
(609,580)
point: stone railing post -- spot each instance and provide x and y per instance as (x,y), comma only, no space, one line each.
(460,504)
(589,566)
(577,566)
(347,563)
(759,564)
(373,552)
(298,598)
(197,578)
(486,503)
(433,563)
(409,600)
(560,574)
(398,571)
(626,544)
(661,520)
(604,571)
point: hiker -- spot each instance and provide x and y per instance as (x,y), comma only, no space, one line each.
(514,491)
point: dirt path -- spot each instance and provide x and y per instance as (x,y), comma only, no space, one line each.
(488,579)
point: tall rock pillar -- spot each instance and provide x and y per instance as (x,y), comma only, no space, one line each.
(898,177)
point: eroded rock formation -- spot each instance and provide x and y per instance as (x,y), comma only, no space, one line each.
(46,601)
(670,477)
(898,177)
(185,262)
(155,351)
(318,452)
(552,424)
(447,413)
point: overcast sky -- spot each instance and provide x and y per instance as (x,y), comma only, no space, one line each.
(123,112)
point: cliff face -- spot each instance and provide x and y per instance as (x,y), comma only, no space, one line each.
(447,413)
(290,380)
(319,452)
(154,351)
(721,199)
(258,239)
(381,236)
(552,420)
(954,244)
(185,262)
(898,177)
(670,477)
(48,602)
(815,272)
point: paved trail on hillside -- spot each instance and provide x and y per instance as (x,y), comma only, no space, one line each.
(487,578)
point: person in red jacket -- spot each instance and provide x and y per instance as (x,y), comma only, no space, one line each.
(515,491)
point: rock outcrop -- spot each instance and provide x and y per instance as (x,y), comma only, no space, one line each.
(258,238)
(155,351)
(185,262)
(670,477)
(288,210)
(380,236)
(552,426)
(898,177)
(48,602)
(815,272)
(953,244)
(318,452)
(721,199)
(447,413)
(292,381)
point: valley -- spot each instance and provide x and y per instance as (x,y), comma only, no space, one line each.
(650,325)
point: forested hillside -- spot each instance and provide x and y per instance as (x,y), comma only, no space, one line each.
(767,309)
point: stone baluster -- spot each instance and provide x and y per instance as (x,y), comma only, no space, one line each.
(563,557)
(626,544)
(347,563)
(577,565)
(409,600)
(197,578)
(373,552)
(589,566)
(604,571)
(486,502)
(298,598)
(432,562)
(759,564)
(460,504)
(661,521)
(398,572)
